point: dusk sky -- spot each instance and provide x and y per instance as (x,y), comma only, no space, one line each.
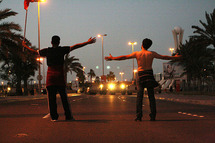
(122,20)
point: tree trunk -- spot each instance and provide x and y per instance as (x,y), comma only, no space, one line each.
(25,87)
(18,87)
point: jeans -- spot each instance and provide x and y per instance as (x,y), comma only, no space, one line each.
(52,91)
(139,102)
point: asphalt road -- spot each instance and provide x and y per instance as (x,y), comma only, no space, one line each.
(106,119)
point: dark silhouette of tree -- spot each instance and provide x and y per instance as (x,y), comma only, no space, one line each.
(91,74)
(97,80)
(16,64)
(197,60)
(71,64)
(111,76)
(206,34)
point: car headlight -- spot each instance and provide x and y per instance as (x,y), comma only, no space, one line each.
(101,86)
(111,86)
(122,86)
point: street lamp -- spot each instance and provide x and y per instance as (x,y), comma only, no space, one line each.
(99,35)
(171,50)
(83,70)
(41,59)
(121,73)
(132,46)
(2,84)
(135,71)
(26,4)
(38,4)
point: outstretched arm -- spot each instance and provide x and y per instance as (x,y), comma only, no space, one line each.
(165,57)
(123,57)
(79,45)
(30,49)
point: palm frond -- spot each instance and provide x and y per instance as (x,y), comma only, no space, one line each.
(6,13)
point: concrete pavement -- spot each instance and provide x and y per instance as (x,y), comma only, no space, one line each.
(191,99)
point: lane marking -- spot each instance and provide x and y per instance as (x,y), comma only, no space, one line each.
(22,135)
(190,114)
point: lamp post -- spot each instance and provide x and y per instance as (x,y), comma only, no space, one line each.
(39,76)
(121,73)
(171,50)
(132,46)
(99,35)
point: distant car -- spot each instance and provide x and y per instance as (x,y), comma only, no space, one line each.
(131,89)
(109,87)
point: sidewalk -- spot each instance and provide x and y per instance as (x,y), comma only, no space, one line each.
(8,99)
(191,99)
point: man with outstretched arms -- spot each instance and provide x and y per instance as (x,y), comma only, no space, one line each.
(55,81)
(145,75)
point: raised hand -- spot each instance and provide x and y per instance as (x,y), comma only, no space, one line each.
(109,58)
(24,44)
(91,40)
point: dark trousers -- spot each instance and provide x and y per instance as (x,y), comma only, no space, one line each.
(52,91)
(139,102)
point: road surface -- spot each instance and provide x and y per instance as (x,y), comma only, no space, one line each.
(106,119)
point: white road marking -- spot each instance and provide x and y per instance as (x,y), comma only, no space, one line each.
(190,114)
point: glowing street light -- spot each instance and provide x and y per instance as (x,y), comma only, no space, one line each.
(99,35)
(83,69)
(171,50)
(121,73)
(41,59)
(132,46)
(132,43)
(135,71)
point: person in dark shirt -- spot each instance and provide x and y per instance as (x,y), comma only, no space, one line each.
(55,81)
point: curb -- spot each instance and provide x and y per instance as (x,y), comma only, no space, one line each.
(188,101)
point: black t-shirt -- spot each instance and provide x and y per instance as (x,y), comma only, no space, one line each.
(55,56)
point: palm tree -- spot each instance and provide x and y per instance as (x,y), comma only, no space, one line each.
(197,59)
(111,76)
(7,37)
(71,65)
(206,34)
(97,80)
(91,74)
(20,66)
(16,64)
(81,79)
(7,28)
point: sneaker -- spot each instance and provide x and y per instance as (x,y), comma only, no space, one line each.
(54,120)
(152,117)
(46,116)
